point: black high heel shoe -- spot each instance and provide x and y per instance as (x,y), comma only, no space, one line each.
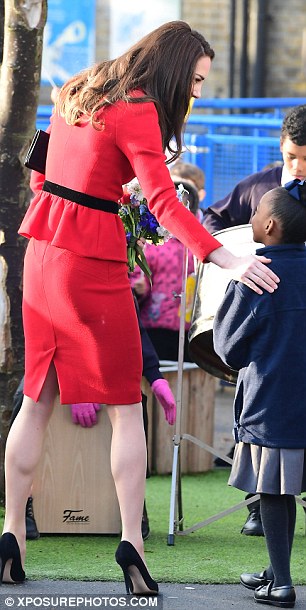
(9,549)
(137,578)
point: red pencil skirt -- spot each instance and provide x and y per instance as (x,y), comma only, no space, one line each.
(79,313)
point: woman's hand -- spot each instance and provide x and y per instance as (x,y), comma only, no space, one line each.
(251,270)
(255,274)
(141,242)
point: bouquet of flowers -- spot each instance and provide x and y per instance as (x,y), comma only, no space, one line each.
(139,222)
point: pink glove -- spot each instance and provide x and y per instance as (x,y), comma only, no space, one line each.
(162,391)
(84,413)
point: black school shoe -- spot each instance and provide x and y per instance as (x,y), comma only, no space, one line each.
(253,581)
(283,597)
(32,532)
(253,524)
(145,526)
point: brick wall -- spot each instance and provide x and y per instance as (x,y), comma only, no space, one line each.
(286,75)
(285,29)
(102,29)
(211,18)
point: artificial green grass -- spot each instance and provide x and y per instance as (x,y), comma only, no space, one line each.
(217,553)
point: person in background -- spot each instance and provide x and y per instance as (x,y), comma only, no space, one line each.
(264,339)
(189,172)
(238,208)
(111,122)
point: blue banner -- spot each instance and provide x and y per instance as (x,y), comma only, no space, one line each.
(69,39)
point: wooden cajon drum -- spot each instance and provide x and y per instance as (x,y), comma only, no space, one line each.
(197,419)
(73,491)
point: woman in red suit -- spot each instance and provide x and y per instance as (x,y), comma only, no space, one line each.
(111,122)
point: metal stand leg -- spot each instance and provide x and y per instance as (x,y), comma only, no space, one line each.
(173,498)
(176,496)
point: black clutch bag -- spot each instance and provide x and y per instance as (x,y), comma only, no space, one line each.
(37,153)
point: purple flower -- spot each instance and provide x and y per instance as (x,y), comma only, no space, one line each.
(138,222)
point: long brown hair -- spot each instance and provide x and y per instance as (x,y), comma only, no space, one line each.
(162,65)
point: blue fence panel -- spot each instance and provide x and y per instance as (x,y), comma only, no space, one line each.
(226,160)
(233,125)
(226,147)
(43,117)
(230,147)
(277,105)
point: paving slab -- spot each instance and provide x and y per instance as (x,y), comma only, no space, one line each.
(83,595)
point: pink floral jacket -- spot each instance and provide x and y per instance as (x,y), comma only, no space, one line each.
(159,308)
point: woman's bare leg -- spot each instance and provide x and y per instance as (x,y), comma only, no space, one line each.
(128,463)
(23,450)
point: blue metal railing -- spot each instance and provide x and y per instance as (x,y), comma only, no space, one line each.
(276,105)
(227,159)
(250,103)
(43,117)
(246,124)
(228,147)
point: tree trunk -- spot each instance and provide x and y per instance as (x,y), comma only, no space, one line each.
(1,28)
(19,91)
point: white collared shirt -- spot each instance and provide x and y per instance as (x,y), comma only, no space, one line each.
(286,176)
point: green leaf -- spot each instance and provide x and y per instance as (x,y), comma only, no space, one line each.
(142,262)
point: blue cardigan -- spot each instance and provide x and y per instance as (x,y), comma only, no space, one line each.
(238,207)
(264,338)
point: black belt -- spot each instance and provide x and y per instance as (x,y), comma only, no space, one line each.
(81,198)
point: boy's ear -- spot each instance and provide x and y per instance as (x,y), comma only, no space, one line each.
(269,226)
(202,194)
